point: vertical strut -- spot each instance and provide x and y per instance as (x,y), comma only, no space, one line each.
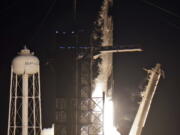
(75,9)
(10,102)
(25,105)
(39,102)
(34,106)
(15,104)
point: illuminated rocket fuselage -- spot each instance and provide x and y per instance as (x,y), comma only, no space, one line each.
(104,80)
(147,96)
(106,28)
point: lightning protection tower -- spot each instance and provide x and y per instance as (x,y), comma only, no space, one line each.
(25,95)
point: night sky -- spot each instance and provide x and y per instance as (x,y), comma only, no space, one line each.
(155,25)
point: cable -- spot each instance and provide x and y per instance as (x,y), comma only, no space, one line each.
(162,9)
(166,11)
(75,9)
(44,19)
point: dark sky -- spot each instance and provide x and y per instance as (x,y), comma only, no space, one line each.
(155,25)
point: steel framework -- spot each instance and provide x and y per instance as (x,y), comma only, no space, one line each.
(81,114)
(24,102)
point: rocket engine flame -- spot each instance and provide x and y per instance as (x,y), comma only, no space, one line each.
(109,128)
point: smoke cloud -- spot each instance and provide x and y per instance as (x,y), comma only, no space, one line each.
(48,131)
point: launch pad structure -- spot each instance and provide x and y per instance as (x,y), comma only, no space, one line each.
(83,114)
(76,116)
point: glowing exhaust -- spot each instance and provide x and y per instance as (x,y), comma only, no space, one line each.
(105,68)
(109,128)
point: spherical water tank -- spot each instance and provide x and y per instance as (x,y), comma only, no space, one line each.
(25,62)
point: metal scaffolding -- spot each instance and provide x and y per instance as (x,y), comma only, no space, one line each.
(25,96)
(81,114)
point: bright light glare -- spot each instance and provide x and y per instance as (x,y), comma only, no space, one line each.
(109,128)
(48,131)
(98,90)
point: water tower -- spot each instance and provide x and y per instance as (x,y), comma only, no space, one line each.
(25,96)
